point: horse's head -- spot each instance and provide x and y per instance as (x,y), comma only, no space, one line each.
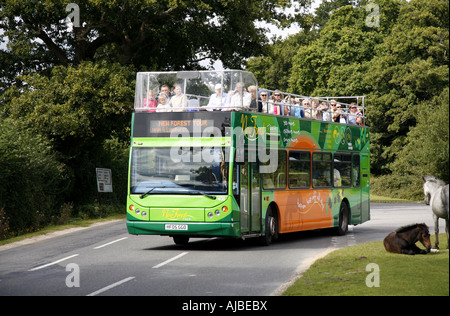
(430,184)
(424,236)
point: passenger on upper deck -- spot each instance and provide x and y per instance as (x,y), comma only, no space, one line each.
(150,103)
(326,115)
(166,89)
(277,103)
(335,111)
(298,111)
(316,112)
(163,105)
(307,108)
(178,102)
(217,99)
(263,103)
(236,96)
(354,114)
(253,103)
(344,114)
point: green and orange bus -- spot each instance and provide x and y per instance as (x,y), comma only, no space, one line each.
(211,162)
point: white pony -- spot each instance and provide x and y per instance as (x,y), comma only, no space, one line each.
(436,195)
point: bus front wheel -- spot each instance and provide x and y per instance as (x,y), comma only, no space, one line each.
(271,228)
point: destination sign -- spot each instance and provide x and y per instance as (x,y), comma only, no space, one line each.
(169,126)
(195,123)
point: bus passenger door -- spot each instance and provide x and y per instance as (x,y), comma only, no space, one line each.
(250,198)
(365,187)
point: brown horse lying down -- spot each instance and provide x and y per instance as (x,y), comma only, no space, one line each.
(403,240)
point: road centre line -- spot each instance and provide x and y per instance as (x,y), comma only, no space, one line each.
(52,263)
(106,288)
(112,242)
(170,260)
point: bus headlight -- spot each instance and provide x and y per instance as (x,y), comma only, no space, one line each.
(217,212)
(210,215)
(137,211)
(144,214)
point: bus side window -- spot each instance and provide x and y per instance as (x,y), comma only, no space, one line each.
(299,169)
(355,170)
(342,170)
(276,180)
(321,172)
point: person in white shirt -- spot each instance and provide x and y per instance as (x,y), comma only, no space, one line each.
(179,101)
(239,97)
(217,99)
(163,105)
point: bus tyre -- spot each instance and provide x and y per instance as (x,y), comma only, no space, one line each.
(342,228)
(181,240)
(271,228)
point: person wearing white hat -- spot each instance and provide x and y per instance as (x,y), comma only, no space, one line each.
(218,99)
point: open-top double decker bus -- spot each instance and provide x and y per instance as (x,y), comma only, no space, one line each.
(205,163)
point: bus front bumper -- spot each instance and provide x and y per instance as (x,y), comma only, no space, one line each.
(193,229)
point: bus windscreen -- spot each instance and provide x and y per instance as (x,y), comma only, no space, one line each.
(182,170)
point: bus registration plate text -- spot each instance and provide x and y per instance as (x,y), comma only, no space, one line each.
(176,227)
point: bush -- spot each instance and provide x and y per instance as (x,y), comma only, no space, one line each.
(407,187)
(93,211)
(32,180)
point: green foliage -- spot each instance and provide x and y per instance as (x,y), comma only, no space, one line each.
(274,70)
(78,109)
(426,148)
(402,68)
(334,63)
(163,34)
(33,181)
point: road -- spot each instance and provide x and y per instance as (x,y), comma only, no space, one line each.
(106,260)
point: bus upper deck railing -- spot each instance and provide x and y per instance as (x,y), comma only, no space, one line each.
(278,103)
(229,90)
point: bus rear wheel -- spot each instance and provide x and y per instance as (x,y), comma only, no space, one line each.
(181,240)
(342,228)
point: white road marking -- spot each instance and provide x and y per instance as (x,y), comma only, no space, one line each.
(52,263)
(106,288)
(112,242)
(170,260)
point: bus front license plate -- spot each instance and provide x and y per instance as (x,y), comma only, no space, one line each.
(176,227)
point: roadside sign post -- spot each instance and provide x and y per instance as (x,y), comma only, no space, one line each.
(104,182)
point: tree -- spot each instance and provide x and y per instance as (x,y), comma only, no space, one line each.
(78,109)
(335,63)
(274,69)
(426,151)
(409,69)
(156,34)
(401,65)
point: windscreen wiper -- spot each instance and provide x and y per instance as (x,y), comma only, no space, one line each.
(149,191)
(190,191)
(205,194)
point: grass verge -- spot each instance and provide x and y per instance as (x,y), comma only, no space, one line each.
(343,273)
